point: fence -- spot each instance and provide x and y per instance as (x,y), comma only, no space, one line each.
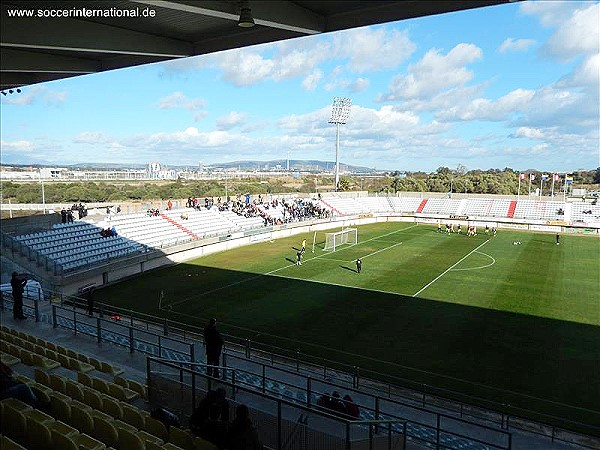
(164,338)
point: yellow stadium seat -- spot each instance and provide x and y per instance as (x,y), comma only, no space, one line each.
(83,358)
(22,335)
(78,366)
(7,443)
(157,428)
(181,438)
(82,419)
(74,390)
(96,363)
(122,393)
(60,349)
(31,338)
(42,361)
(171,446)
(129,440)
(63,442)
(85,379)
(41,391)
(112,407)
(92,398)
(147,437)
(60,407)
(9,360)
(41,376)
(110,369)
(133,416)
(26,357)
(39,349)
(50,345)
(139,388)
(51,354)
(57,382)
(100,385)
(64,360)
(105,431)
(38,416)
(75,442)
(27,345)
(38,435)
(121,381)
(72,354)
(14,423)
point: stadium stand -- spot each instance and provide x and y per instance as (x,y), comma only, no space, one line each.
(534,210)
(95,408)
(585,213)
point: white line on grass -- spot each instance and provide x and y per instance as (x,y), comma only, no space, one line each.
(480,267)
(277,270)
(450,268)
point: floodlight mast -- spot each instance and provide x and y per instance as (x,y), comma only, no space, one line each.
(340,112)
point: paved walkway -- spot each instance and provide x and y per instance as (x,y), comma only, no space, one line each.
(116,344)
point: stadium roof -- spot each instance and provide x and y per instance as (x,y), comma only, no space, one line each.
(38,49)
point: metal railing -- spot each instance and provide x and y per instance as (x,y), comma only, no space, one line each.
(432,429)
(177,387)
(159,337)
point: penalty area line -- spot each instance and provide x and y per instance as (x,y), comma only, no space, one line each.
(450,268)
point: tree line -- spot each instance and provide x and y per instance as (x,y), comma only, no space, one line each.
(491,181)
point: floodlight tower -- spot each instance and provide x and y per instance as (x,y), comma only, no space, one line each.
(340,112)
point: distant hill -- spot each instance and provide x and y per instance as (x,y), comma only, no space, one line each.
(295,164)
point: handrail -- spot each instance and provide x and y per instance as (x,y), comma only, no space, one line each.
(234,371)
(507,420)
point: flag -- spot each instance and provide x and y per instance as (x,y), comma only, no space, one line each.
(545,176)
(532,177)
(556,177)
(569,179)
(521,176)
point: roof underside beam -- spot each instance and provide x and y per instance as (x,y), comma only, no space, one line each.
(83,36)
(283,15)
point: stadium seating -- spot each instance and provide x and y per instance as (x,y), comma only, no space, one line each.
(345,205)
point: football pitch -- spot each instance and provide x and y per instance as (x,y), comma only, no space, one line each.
(500,317)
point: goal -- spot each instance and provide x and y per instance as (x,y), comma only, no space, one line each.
(346,236)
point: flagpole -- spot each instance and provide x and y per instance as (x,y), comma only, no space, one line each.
(553,176)
(565,189)
(529,190)
(519,189)
(541,184)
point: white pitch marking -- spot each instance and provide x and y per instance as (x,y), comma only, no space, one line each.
(450,268)
(281,268)
(479,267)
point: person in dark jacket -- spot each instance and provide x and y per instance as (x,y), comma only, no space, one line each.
(242,434)
(213,342)
(18,287)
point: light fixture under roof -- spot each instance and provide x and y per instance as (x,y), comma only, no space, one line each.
(246,20)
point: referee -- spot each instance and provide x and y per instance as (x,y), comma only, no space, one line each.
(358,265)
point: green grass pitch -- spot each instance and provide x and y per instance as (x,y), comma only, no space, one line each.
(479,315)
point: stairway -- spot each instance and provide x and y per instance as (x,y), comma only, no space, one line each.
(511,209)
(422,205)
(181,227)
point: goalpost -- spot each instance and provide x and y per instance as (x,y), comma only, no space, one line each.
(334,240)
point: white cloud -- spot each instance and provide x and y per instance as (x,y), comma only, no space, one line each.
(179,100)
(529,133)
(370,49)
(35,94)
(359,85)
(18,146)
(243,67)
(92,138)
(515,45)
(579,34)
(311,81)
(435,73)
(231,120)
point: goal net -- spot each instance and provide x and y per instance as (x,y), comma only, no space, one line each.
(334,240)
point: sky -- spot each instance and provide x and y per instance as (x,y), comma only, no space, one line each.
(513,85)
